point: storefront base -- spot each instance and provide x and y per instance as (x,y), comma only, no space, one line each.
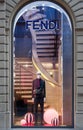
(5,123)
(41,128)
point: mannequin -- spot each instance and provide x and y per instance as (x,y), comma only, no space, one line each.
(38,96)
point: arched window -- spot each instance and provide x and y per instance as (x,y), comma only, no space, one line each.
(42,45)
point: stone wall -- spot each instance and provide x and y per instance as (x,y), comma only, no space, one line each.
(8,9)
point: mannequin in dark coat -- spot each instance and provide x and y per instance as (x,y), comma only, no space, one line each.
(38,95)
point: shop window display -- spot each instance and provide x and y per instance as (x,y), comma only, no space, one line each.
(42,67)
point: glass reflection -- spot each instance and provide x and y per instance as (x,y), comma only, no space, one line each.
(42,43)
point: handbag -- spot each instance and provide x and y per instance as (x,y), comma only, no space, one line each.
(38,91)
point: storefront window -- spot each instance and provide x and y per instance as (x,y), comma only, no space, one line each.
(42,67)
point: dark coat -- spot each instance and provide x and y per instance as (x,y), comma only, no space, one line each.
(36,86)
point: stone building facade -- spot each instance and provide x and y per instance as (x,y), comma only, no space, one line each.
(8,10)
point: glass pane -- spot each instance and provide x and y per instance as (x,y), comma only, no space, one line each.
(42,67)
